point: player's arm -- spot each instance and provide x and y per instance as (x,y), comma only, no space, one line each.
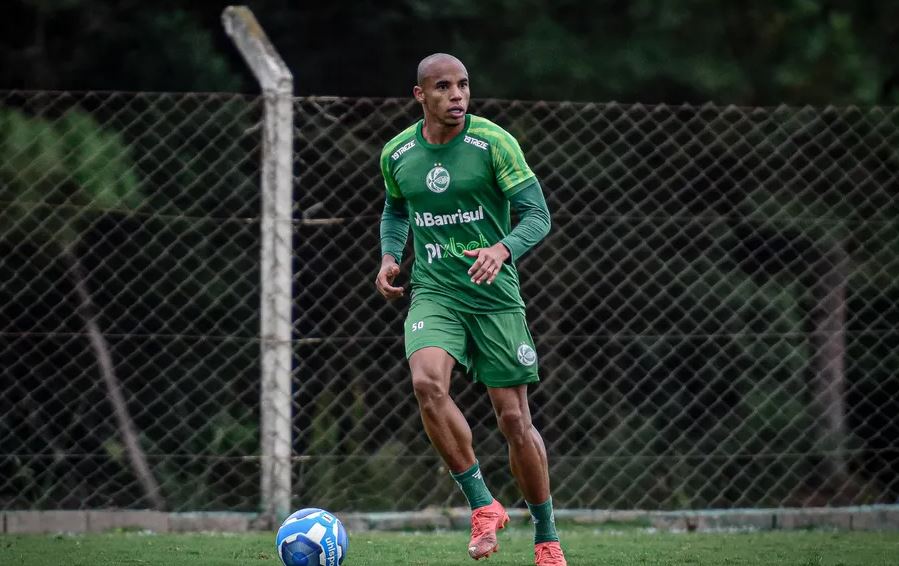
(519,185)
(533,220)
(533,225)
(394,228)
(394,232)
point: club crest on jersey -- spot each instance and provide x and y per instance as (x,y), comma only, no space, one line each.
(526,355)
(438,179)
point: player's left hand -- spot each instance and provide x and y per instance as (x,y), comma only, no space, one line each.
(488,264)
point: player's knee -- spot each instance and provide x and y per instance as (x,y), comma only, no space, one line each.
(428,387)
(514,425)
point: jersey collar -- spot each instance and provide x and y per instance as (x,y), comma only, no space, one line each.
(420,139)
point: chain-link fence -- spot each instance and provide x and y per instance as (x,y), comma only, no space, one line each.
(129,300)
(716,309)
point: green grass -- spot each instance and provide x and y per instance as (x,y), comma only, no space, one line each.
(585,546)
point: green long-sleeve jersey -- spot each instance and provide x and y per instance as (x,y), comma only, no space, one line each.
(457,198)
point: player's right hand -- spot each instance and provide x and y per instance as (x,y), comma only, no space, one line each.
(384,281)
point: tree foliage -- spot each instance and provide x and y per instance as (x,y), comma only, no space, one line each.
(70,163)
(194,175)
(759,53)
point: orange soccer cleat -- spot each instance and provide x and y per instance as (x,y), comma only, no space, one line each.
(549,554)
(485,521)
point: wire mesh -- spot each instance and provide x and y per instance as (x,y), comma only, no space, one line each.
(716,308)
(129,300)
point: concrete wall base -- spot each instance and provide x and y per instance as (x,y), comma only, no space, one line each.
(862,518)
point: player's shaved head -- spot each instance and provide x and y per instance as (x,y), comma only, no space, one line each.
(429,64)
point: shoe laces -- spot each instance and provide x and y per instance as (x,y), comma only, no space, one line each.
(483,521)
(549,551)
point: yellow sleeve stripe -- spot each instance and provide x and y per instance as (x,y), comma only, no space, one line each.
(511,167)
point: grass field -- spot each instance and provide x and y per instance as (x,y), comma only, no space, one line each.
(584,546)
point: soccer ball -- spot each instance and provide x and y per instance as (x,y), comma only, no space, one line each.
(312,537)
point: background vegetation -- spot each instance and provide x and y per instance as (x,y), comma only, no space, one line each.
(158,196)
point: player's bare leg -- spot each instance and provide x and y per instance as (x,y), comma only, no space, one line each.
(527,456)
(451,436)
(443,421)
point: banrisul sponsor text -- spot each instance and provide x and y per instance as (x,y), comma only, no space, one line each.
(458,217)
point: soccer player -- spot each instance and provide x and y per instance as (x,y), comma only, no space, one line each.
(454,177)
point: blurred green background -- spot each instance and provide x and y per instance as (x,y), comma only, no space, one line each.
(751,53)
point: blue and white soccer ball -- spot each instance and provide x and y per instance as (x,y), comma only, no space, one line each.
(312,537)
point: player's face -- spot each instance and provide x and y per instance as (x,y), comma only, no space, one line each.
(445,94)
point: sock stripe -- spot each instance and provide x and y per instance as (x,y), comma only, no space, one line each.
(471,481)
(544,521)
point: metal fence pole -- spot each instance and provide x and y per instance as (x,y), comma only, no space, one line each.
(276,82)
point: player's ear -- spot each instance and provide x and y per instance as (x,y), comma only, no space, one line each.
(418,93)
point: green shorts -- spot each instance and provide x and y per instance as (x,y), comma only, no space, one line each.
(496,349)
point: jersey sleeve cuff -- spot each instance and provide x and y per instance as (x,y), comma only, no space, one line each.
(398,256)
(520,186)
(514,249)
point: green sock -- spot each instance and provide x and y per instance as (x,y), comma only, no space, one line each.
(472,483)
(544,522)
